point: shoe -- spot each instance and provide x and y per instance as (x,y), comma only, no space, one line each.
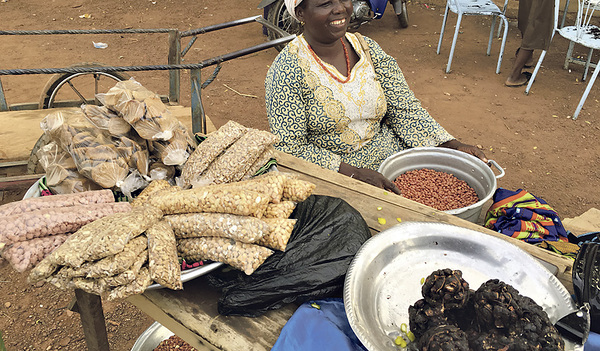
(514,85)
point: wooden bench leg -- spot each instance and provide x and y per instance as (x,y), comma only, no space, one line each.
(90,310)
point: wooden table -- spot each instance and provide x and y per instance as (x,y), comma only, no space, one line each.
(192,313)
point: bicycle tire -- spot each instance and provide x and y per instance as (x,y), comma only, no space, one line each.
(279,16)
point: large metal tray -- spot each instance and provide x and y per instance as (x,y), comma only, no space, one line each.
(384,278)
(192,273)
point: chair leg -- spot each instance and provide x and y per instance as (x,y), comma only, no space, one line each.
(443,27)
(587,91)
(503,18)
(535,71)
(587,64)
(489,48)
(569,56)
(454,42)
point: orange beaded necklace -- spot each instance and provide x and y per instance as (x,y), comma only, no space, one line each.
(327,70)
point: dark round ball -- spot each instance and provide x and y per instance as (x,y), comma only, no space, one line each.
(444,337)
(446,288)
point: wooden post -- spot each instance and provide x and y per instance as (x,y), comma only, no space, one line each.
(3,104)
(198,116)
(92,320)
(174,59)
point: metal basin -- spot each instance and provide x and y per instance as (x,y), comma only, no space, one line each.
(151,337)
(463,166)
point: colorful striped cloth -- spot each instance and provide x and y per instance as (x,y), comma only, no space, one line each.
(521,215)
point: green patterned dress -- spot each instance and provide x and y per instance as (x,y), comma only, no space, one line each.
(360,122)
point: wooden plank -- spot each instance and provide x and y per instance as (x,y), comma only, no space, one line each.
(21,129)
(92,320)
(18,181)
(367,198)
(192,314)
(13,168)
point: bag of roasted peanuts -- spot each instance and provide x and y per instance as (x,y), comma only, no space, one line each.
(242,256)
(141,108)
(280,231)
(93,152)
(62,176)
(238,158)
(244,229)
(163,263)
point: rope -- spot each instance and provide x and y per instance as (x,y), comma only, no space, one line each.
(212,76)
(106,69)
(83,31)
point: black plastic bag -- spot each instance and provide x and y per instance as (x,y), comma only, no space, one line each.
(586,277)
(327,235)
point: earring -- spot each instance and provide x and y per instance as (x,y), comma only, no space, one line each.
(301,23)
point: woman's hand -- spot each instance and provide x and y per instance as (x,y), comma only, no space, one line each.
(470,149)
(369,176)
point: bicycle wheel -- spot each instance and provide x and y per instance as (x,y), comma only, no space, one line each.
(279,16)
(68,90)
(74,89)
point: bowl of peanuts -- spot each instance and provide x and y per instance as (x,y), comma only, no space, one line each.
(448,180)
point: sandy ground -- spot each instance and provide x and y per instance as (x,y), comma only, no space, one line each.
(541,148)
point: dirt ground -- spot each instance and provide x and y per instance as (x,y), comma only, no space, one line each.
(541,148)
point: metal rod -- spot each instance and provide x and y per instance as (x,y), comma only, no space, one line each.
(198,116)
(200,65)
(3,104)
(214,27)
(174,59)
(83,31)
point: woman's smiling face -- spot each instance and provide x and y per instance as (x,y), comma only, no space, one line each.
(325,21)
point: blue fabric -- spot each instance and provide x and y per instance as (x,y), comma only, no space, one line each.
(592,343)
(324,327)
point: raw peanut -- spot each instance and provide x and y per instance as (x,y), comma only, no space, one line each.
(245,229)
(26,254)
(38,203)
(51,221)
(439,190)
(245,257)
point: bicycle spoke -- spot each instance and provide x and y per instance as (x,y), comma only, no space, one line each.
(83,100)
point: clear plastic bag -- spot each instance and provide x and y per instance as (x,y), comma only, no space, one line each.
(54,220)
(213,199)
(130,274)
(95,156)
(104,237)
(135,151)
(244,229)
(280,210)
(297,189)
(26,254)
(62,176)
(260,162)
(138,286)
(163,262)
(118,263)
(106,119)
(280,230)
(57,201)
(238,158)
(207,151)
(245,257)
(141,108)
(176,150)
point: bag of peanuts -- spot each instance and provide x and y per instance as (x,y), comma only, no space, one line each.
(25,255)
(325,238)
(93,152)
(62,176)
(141,108)
(106,119)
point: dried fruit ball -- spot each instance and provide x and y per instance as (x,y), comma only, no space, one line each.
(444,338)
(447,288)
(496,304)
(423,316)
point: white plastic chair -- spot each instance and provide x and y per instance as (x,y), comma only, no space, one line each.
(582,33)
(474,7)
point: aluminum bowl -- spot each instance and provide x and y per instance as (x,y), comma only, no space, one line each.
(151,337)
(463,166)
(384,278)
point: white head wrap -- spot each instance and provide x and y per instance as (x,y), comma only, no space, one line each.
(291,7)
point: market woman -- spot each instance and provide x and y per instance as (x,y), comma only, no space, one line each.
(338,100)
